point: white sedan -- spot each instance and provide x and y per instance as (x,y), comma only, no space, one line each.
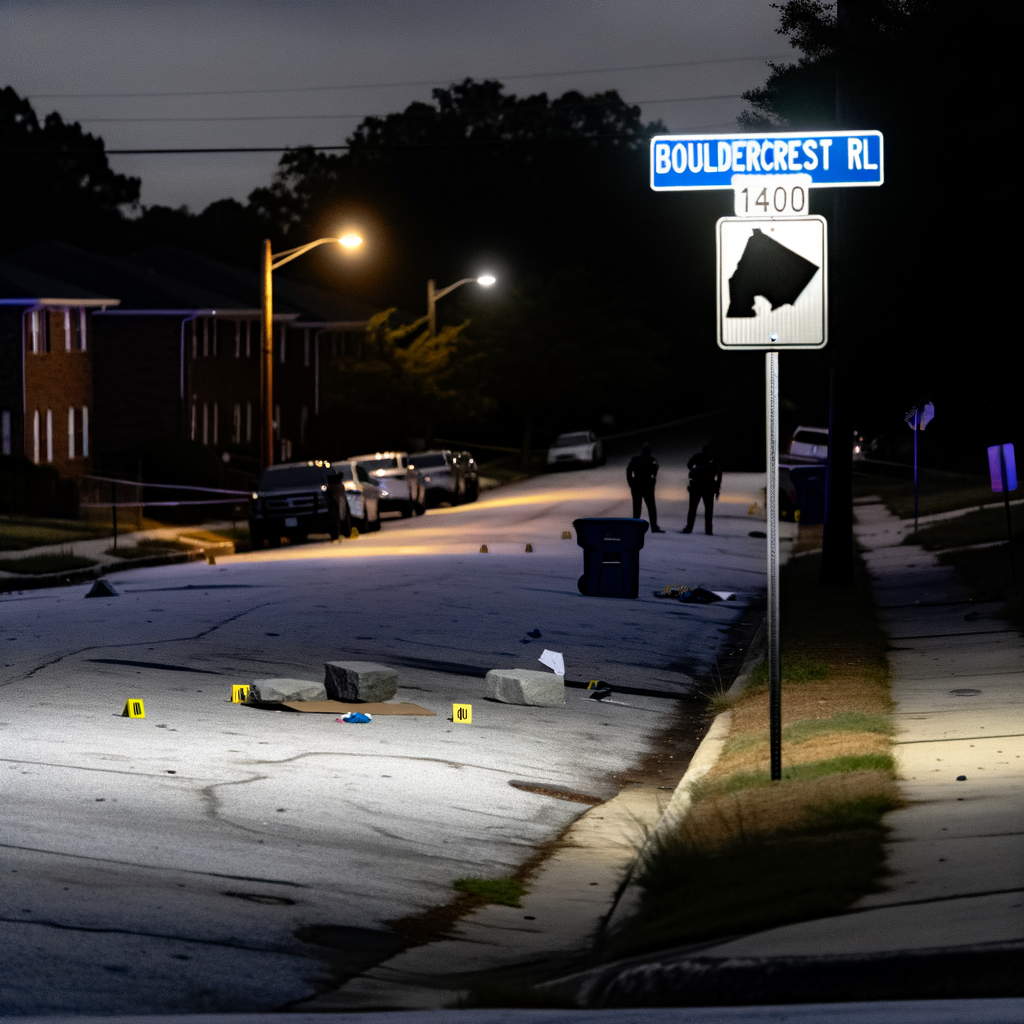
(579,449)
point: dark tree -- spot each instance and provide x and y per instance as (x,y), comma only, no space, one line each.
(56,181)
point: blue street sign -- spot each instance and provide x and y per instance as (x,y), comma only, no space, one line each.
(832,159)
(1002,468)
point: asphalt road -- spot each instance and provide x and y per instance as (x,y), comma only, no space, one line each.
(172,865)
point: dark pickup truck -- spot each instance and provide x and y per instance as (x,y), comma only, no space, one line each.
(296,499)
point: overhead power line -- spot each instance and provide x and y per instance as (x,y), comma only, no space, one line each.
(340,117)
(394,85)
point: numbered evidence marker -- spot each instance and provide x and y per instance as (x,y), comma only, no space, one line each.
(462,714)
(133,708)
(772,283)
(239,694)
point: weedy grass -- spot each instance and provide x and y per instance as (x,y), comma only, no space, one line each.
(37,565)
(506,892)
(148,546)
(983,526)
(751,853)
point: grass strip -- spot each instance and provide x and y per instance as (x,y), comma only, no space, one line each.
(506,892)
(37,565)
(937,492)
(751,853)
(983,526)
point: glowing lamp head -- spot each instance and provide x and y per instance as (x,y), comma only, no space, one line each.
(350,240)
(486,280)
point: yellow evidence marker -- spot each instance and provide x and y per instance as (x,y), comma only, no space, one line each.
(566,535)
(593,684)
(239,694)
(462,714)
(133,708)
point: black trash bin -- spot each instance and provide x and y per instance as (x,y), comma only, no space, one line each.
(809,483)
(611,556)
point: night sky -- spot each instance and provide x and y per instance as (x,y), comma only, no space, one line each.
(160,73)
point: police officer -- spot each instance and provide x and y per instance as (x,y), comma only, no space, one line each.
(705,485)
(641,475)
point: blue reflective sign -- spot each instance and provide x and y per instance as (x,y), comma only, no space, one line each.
(832,159)
(1000,461)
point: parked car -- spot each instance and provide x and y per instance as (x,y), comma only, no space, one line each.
(401,489)
(470,477)
(581,448)
(441,475)
(363,495)
(296,499)
(810,444)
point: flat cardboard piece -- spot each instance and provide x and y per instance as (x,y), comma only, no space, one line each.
(337,707)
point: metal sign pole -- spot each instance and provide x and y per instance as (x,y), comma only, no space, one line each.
(1006,504)
(771,380)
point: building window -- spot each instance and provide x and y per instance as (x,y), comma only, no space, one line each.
(236,424)
(192,431)
(284,342)
(305,347)
(38,330)
(303,423)
(69,330)
(5,432)
(206,337)
(49,435)
(248,422)
(83,323)
(206,423)
(35,437)
(85,431)
(216,417)
(71,431)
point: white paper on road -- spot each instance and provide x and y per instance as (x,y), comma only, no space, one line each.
(554,661)
(725,595)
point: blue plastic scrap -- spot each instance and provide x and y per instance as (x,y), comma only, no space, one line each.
(354,718)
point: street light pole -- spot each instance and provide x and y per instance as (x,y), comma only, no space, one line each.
(485,280)
(271,262)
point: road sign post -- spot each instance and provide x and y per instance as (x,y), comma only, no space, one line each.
(772,277)
(1003,471)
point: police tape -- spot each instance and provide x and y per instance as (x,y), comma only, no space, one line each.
(154,504)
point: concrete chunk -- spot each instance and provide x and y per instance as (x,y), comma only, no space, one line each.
(359,681)
(525,686)
(286,689)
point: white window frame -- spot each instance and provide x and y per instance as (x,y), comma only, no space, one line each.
(67,330)
(216,420)
(49,435)
(71,431)
(35,437)
(83,324)
(85,431)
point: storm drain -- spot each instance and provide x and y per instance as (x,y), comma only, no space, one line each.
(556,791)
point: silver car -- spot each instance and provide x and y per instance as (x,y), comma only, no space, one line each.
(401,489)
(362,494)
(581,448)
(810,444)
(441,475)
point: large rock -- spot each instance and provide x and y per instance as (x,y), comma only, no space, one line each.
(359,681)
(271,690)
(525,686)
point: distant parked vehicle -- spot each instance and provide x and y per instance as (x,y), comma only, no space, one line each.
(810,444)
(441,475)
(581,448)
(470,477)
(296,499)
(363,495)
(401,489)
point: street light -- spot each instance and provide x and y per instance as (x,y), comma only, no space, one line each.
(271,262)
(485,280)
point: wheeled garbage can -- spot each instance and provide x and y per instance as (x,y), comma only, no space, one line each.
(611,556)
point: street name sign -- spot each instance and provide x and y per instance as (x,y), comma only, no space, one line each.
(681,163)
(772,283)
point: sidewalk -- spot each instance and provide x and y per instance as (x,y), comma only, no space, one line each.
(952,915)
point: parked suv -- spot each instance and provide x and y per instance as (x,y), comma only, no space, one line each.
(441,475)
(400,486)
(809,444)
(296,499)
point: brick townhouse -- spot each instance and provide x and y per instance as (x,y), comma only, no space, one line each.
(173,351)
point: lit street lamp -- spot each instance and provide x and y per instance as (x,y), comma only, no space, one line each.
(486,280)
(272,262)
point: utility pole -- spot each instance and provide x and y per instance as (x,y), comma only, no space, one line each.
(431,308)
(837,538)
(267,362)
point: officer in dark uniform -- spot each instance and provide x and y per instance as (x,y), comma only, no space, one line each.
(705,485)
(641,474)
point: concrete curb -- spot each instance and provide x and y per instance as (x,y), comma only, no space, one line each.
(705,757)
(94,572)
